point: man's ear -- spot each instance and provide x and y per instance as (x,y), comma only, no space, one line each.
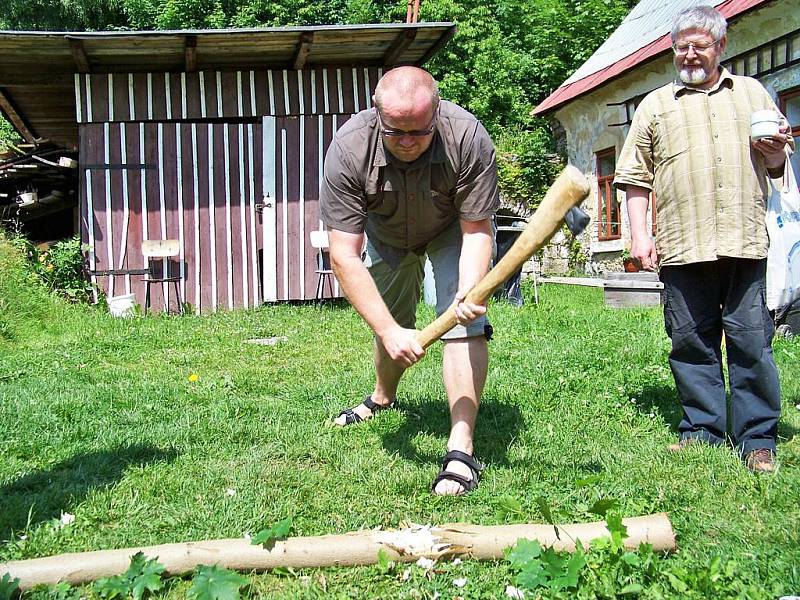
(373,100)
(722,43)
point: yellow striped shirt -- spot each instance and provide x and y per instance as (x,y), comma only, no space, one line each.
(692,148)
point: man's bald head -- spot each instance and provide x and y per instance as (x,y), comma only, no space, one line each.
(407,89)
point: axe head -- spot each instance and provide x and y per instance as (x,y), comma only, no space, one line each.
(576,220)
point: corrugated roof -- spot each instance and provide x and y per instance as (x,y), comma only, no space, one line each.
(644,34)
(37,68)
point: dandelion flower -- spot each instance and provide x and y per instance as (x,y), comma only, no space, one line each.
(193,377)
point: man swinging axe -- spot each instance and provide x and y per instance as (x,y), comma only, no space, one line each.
(418,176)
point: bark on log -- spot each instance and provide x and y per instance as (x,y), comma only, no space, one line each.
(350,549)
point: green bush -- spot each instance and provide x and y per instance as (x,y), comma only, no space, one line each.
(59,268)
(526,165)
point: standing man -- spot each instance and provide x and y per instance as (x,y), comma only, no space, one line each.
(417,175)
(689,144)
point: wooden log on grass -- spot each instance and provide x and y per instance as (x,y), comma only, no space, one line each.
(349,549)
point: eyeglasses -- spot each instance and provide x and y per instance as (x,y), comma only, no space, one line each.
(390,132)
(683,47)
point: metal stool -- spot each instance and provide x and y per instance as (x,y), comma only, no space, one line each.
(161,249)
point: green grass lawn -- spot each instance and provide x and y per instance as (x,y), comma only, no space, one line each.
(101,418)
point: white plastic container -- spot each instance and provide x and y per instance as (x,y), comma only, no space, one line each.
(27,198)
(122,306)
(764,123)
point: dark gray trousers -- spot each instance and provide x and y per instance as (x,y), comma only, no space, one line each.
(701,301)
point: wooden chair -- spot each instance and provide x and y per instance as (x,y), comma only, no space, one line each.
(319,240)
(153,250)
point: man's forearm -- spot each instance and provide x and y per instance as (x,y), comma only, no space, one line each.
(476,254)
(637,199)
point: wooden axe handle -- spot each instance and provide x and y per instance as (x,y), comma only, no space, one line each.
(568,190)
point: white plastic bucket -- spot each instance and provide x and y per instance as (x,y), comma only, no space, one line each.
(122,306)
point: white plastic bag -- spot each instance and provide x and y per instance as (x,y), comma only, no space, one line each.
(783,227)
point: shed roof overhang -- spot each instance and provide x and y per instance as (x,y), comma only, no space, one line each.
(37,69)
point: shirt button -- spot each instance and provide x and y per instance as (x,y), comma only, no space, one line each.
(720,185)
(716,135)
(713,114)
(719,159)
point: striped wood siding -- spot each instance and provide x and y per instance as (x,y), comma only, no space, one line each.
(202,182)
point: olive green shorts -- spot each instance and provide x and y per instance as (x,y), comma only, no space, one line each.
(400,288)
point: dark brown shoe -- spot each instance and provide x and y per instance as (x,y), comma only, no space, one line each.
(684,444)
(761,460)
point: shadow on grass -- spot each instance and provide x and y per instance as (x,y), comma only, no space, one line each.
(664,400)
(44,494)
(498,425)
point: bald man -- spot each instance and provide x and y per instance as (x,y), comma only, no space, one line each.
(418,176)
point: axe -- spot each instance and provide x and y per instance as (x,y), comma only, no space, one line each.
(559,204)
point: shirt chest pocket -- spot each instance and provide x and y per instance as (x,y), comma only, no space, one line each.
(672,136)
(381,202)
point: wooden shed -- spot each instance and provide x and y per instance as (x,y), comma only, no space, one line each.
(213,138)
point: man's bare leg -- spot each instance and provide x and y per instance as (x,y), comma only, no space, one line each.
(465,365)
(387,378)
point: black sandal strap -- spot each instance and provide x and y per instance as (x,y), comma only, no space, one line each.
(474,466)
(350,418)
(464,458)
(374,407)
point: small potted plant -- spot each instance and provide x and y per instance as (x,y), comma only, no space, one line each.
(629,263)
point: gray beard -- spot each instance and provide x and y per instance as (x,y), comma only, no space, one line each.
(693,76)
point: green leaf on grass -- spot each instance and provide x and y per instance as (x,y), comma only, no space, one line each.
(532,576)
(144,575)
(113,587)
(8,587)
(617,529)
(541,501)
(267,537)
(216,583)
(630,589)
(602,506)
(525,552)
(508,507)
(384,564)
(569,576)
(587,481)
(544,507)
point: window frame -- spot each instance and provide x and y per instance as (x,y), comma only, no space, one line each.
(605,183)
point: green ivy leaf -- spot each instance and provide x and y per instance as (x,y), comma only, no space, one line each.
(524,553)
(267,537)
(113,587)
(617,529)
(216,583)
(602,506)
(8,587)
(532,576)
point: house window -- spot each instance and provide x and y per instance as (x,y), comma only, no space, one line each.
(608,213)
(789,103)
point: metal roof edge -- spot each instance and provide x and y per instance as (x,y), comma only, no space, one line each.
(562,95)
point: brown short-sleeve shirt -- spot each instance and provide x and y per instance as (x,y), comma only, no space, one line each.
(403,206)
